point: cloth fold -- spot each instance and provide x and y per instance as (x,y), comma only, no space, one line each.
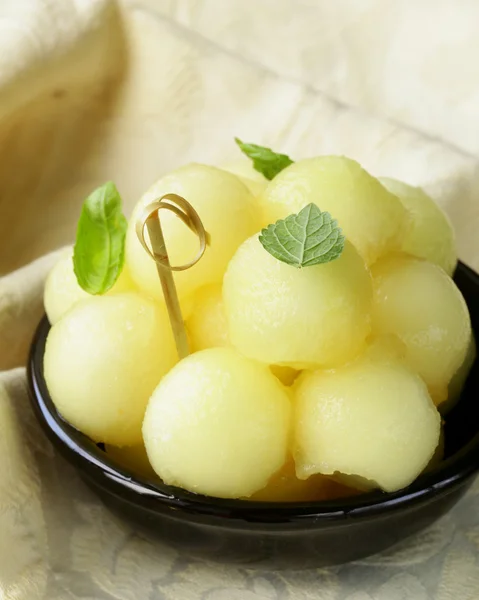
(95,90)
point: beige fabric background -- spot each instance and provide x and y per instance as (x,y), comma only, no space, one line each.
(92,90)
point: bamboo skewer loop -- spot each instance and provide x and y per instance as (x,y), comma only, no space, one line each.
(149,219)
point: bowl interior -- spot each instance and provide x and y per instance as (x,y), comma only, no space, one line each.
(461,452)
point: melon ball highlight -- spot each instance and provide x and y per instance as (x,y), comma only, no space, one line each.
(62,290)
(218,424)
(228,212)
(372,218)
(278,314)
(103,360)
(371,419)
(416,301)
(430,234)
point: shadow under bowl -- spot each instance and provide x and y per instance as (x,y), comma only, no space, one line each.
(291,535)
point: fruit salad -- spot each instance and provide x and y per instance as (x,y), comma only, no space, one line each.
(327,337)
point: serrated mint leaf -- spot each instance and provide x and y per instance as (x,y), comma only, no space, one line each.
(99,251)
(309,238)
(265,161)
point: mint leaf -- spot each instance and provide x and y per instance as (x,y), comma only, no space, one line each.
(265,161)
(99,251)
(309,238)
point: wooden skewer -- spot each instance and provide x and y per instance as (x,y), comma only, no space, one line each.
(168,285)
(159,253)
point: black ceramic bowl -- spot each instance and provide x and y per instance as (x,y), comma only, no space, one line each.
(292,535)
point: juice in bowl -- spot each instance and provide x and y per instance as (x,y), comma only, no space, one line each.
(269,364)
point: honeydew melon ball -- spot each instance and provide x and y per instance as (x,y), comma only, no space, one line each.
(278,314)
(62,290)
(207,327)
(430,234)
(132,458)
(417,301)
(373,420)
(103,360)
(218,424)
(285,486)
(227,210)
(253,179)
(371,218)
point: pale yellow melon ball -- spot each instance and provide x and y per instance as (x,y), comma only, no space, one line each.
(285,486)
(362,484)
(371,419)
(253,179)
(229,214)
(207,326)
(133,459)
(419,303)
(218,424)
(372,218)
(62,290)
(282,315)
(430,234)
(102,361)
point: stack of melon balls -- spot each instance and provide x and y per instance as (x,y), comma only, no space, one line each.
(302,383)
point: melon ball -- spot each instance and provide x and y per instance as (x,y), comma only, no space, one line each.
(416,301)
(372,218)
(62,290)
(370,419)
(207,326)
(227,210)
(218,424)
(430,234)
(285,486)
(282,315)
(102,361)
(133,459)
(253,179)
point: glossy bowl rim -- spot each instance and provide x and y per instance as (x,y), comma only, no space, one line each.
(159,497)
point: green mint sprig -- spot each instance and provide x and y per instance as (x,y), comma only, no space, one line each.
(267,162)
(308,238)
(99,251)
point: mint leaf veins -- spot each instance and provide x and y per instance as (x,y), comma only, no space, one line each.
(308,238)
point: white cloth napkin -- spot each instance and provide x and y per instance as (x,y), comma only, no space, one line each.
(92,90)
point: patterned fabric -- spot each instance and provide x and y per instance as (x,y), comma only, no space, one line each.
(92,90)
